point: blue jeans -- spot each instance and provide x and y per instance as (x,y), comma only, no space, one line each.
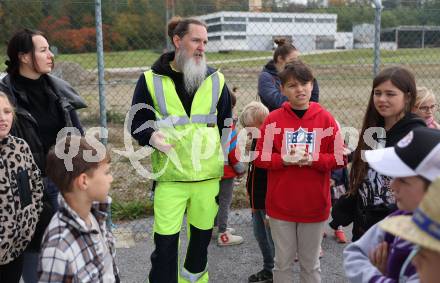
(224,203)
(264,238)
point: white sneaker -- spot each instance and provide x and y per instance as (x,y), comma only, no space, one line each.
(227,239)
(230,230)
(215,231)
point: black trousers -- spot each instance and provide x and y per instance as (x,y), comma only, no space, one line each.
(164,259)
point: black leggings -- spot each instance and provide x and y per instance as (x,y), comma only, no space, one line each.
(11,272)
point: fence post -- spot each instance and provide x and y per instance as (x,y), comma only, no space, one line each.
(169,13)
(101,82)
(377,18)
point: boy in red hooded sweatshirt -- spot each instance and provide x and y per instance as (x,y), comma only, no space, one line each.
(301,144)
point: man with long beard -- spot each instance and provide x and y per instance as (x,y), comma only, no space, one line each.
(191,103)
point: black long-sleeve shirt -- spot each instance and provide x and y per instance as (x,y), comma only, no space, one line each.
(41,102)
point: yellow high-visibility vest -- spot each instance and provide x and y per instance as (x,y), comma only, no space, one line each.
(197,153)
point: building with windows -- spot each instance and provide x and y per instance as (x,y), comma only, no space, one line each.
(256,31)
(412,36)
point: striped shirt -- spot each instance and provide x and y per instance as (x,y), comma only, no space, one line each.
(72,251)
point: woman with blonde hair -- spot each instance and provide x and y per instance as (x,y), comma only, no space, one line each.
(425,106)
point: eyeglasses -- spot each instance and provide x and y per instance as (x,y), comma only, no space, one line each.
(426,109)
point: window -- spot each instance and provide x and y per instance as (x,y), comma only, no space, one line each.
(214,38)
(234,19)
(304,20)
(233,27)
(325,20)
(281,20)
(214,28)
(325,42)
(227,27)
(261,20)
(235,37)
(213,20)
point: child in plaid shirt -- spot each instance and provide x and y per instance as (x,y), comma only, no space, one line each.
(77,247)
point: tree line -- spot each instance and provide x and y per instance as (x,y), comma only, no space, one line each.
(140,24)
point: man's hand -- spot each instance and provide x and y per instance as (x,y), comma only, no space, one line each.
(158,140)
(379,257)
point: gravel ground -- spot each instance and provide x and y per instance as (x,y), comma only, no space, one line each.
(226,264)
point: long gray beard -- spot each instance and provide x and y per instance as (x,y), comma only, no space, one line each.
(193,73)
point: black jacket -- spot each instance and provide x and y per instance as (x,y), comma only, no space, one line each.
(142,95)
(256,184)
(26,127)
(352,208)
(403,127)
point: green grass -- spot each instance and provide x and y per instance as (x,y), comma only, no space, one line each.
(365,56)
(129,210)
(140,58)
(120,59)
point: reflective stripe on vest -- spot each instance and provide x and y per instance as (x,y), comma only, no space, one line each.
(158,89)
(169,121)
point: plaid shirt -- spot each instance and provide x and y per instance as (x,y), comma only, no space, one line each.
(71,252)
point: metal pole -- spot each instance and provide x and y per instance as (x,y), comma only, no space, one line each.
(169,13)
(101,82)
(377,18)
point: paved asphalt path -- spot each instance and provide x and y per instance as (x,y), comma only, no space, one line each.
(226,264)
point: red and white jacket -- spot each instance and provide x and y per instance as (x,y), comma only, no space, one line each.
(233,167)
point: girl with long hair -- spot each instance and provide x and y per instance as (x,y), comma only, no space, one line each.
(388,118)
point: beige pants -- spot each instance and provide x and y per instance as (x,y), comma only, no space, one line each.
(291,238)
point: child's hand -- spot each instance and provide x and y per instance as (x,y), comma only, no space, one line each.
(288,159)
(306,160)
(297,156)
(248,146)
(379,257)
(346,151)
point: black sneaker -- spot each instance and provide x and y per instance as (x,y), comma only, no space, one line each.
(262,276)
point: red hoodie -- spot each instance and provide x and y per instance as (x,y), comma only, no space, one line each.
(299,194)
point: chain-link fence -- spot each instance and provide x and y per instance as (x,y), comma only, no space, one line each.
(337,41)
